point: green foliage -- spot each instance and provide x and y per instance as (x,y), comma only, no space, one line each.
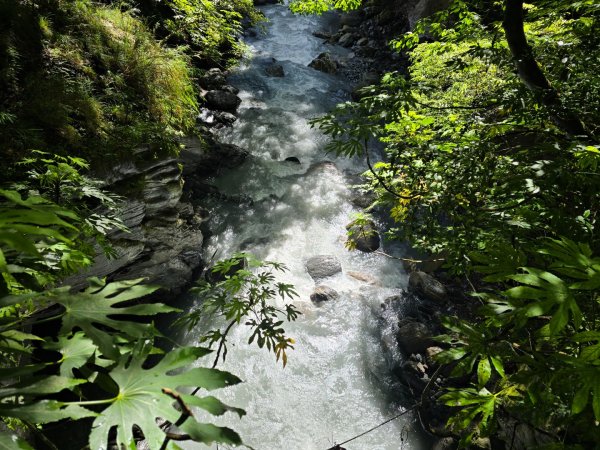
(89,79)
(541,336)
(211,28)
(321,6)
(244,288)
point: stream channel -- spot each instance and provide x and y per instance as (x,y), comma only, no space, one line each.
(337,383)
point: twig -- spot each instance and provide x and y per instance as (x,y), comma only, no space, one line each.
(338,446)
(381,181)
(379,252)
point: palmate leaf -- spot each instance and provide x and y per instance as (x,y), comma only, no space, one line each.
(75,351)
(94,307)
(9,441)
(141,400)
(548,294)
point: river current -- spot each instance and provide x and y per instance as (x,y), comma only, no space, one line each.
(337,382)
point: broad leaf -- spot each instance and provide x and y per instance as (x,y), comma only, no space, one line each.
(141,400)
(75,351)
(92,309)
(45,411)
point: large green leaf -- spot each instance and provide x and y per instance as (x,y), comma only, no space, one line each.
(45,411)
(141,399)
(9,441)
(94,308)
(44,385)
(75,351)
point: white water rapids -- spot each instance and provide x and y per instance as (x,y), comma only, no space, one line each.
(337,383)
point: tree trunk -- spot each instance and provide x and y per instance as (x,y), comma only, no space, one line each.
(531,74)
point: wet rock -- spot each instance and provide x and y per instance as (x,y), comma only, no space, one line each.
(323,293)
(364,237)
(323,266)
(424,8)
(213,79)
(322,35)
(362,199)
(207,156)
(292,159)
(348,39)
(324,63)
(275,70)
(426,285)
(362,42)
(430,353)
(222,100)
(414,337)
(224,117)
(265,2)
(231,89)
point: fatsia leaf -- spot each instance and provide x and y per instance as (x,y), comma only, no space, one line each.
(9,441)
(141,399)
(93,308)
(484,371)
(75,351)
(209,433)
(45,385)
(45,411)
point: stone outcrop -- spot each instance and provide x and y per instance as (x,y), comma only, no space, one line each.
(364,238)
(163,243)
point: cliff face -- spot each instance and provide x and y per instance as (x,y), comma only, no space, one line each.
(164,241)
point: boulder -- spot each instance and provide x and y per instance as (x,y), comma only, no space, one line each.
(364,237)
(323,266)
(213,79)
(324,63)
(222,100)
(225,117)
(347,39)
(414,337)
(323,293)
(322,35)
(275,70)
(426,285)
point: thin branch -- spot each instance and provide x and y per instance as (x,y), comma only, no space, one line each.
(381,181)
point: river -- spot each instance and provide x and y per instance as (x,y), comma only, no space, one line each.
(337,382)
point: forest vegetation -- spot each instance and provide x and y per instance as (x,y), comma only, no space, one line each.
(490,158)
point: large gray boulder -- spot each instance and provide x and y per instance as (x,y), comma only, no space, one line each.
(222,100)
(323,266)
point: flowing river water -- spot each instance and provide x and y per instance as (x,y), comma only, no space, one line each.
(337,383)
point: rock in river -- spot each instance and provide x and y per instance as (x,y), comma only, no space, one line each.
(323,294)
(323,266)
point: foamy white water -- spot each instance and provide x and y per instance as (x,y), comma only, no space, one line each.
(337,383)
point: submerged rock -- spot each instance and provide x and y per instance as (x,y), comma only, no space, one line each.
(323,266)
(324,63)
(323,293)
(275,70)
